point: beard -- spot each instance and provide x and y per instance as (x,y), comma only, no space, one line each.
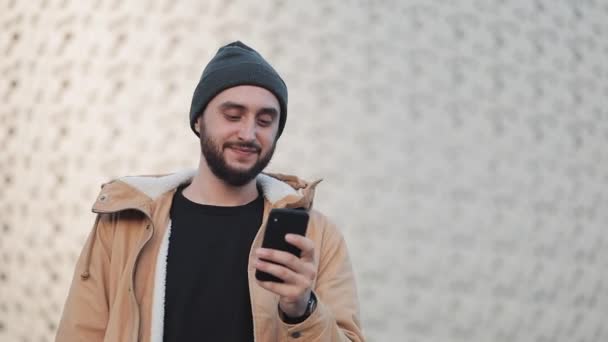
(214,156)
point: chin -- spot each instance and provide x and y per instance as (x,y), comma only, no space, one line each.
(240,167)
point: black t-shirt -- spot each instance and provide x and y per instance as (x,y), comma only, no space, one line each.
(207,291)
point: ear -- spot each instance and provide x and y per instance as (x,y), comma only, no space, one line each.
(197,124)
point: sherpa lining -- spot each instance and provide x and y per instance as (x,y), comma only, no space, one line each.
(160,283)
(272,188)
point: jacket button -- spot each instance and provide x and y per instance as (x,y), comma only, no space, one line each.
(296,334)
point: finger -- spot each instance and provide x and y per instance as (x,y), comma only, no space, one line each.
(283,273)
(304,244)
(288,291)
(286,259)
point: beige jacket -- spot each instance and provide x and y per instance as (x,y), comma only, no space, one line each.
(117,293)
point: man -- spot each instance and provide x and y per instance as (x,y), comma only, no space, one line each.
(173,258)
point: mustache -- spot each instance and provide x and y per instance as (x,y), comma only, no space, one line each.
(244,145)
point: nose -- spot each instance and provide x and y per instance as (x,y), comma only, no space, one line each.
(247,130)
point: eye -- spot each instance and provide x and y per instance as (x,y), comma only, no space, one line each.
(264,123)
(232,117)
(265,120)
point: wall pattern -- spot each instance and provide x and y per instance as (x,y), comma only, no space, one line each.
(463,146)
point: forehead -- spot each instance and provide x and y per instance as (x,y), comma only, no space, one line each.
(247,95)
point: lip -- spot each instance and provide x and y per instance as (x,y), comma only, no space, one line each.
(243,152)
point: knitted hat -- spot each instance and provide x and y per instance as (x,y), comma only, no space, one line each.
(233,65)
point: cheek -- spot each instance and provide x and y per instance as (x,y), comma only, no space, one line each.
(267,139)
(225,133)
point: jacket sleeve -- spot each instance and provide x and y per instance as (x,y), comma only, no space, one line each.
(85,314)
(336,317)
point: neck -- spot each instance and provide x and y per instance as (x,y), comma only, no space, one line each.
(206,188)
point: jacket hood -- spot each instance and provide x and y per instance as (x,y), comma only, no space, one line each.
(140,192)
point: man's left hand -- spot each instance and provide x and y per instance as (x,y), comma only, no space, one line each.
(298,274)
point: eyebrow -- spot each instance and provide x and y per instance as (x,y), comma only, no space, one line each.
(264,110)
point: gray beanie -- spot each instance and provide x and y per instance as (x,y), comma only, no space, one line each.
(233,65)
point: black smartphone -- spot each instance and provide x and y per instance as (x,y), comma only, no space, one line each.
(281,222)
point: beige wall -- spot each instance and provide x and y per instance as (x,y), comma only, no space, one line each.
(463,146)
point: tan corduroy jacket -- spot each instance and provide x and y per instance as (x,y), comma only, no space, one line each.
(117,293)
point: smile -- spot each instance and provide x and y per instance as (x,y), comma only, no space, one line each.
(244,150)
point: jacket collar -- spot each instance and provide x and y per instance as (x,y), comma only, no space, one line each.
(141,192)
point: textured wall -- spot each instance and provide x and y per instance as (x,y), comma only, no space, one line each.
(463,146)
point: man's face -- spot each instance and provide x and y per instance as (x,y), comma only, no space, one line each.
(238,133)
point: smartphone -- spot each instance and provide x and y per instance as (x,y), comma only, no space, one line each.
(281,222)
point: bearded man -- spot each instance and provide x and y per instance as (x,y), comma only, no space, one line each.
(173,257)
